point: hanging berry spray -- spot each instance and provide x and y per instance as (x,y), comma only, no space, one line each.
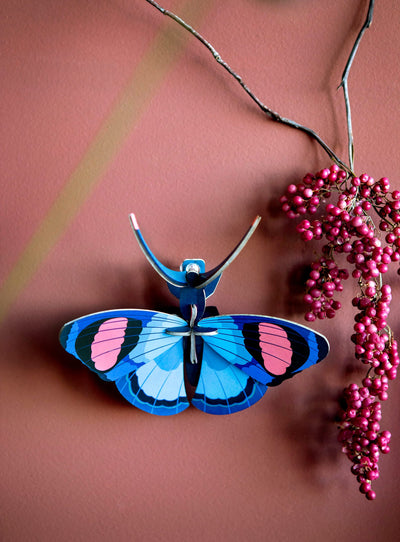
(349,231)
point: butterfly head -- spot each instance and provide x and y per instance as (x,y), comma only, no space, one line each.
(193,270)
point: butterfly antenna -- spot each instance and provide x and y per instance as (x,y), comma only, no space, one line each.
(169,275)
(211,275)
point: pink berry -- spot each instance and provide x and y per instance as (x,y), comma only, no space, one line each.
(371,495)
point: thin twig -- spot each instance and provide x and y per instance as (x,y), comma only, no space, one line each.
(344,83)
(269,112)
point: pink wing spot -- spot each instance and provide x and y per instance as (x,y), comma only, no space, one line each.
(107,343)
(275,347)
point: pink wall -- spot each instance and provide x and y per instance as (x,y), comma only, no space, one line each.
(108,108)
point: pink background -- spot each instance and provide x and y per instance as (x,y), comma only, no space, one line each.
(107,108)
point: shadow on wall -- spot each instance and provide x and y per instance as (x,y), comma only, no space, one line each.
(306,420)
(304,415)
(40,335)
(287,258)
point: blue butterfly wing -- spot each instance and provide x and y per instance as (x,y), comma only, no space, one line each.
(248,354)
(131,348)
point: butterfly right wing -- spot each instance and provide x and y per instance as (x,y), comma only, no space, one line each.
(131,348)
(224,388)
(248,354)
(268,349)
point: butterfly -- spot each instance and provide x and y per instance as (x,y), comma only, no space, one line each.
(161,363)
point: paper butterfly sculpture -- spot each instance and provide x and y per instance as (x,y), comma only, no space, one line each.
(161,363)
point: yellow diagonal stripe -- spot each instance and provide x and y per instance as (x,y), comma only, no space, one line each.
(145,80)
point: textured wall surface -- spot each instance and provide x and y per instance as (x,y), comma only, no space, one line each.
(107,107)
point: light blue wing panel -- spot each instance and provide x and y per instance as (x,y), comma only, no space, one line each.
(222,387)
(117,344)
(268,349)
(158,386)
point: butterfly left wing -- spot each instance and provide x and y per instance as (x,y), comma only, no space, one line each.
(131,348)
(248,354)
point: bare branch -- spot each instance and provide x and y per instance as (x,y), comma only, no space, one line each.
(344,81)
(269,112)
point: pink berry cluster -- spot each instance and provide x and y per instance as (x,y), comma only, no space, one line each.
(347,228)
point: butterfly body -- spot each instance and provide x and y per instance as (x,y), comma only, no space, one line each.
(162,362)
